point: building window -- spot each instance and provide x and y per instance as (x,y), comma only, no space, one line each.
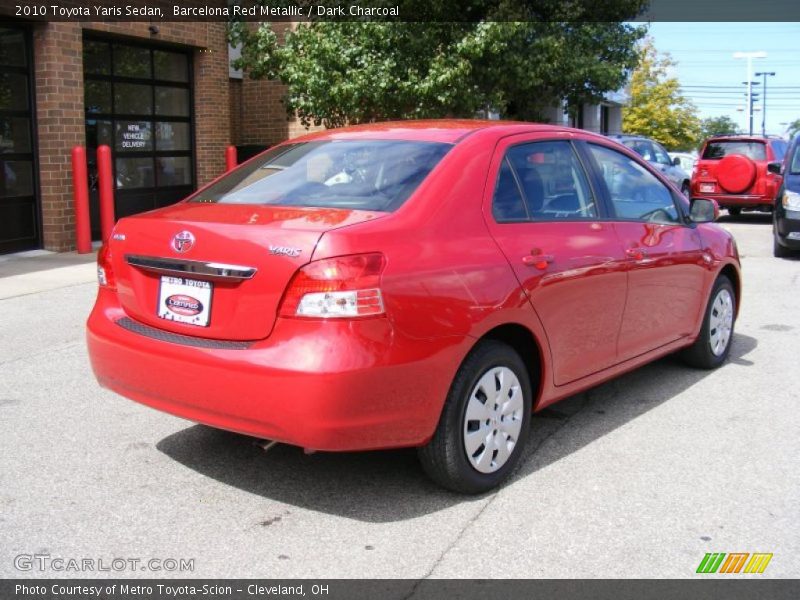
(604,119)
(19,207)
(138,100)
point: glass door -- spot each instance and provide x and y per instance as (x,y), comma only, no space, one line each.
(19,207)
(138,100)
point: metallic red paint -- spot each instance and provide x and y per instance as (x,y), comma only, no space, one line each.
(603,297)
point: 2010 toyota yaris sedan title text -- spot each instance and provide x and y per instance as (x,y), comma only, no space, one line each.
(411,284)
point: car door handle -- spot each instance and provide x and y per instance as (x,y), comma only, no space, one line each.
(540,261)
(636,253)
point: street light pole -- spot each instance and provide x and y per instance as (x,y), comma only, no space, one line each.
(764,74)
(752,97)
(750,56)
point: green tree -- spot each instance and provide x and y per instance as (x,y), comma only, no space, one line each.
(657,108)
(350,72)
(793,128)
(712,126)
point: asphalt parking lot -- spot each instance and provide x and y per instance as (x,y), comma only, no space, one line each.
(639,477)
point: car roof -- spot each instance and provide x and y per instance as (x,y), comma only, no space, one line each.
(736,137)
(448,131)
(629,136)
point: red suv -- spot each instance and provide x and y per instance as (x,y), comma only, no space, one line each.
(416,284)
(739,172)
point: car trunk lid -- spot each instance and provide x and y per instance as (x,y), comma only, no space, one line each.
(216,271)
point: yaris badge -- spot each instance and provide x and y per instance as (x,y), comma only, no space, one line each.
(183,241)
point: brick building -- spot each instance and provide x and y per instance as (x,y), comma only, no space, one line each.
(162,97)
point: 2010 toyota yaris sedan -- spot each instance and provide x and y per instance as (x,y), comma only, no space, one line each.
(411,284)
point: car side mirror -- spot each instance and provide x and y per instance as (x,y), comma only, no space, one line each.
(775,167)
(704,210)
(676,162)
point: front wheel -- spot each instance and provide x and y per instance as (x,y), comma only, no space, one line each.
(716,333)
(779,251)
(484,422)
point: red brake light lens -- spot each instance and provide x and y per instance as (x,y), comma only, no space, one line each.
(340,287)
(105,274)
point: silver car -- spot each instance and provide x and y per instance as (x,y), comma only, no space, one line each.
(655,154)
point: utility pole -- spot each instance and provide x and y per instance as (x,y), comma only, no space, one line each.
(751,100)
(750,56)
(764,74)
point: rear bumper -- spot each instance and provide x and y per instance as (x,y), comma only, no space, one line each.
(738,201)
(333,386)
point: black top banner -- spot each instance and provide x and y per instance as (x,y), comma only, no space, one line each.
(156,11)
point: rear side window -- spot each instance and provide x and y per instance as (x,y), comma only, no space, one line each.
(508,205)
(542,181)
(721,149)
(365,175)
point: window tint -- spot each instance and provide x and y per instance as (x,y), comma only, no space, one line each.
(779,148)
(365,175)
(661,155)
(12,48)
(507,204)
(131,61)
(552,181)
(635,192)
(15,135)
(721,149)
(172,66)
(794,167)
(642,148)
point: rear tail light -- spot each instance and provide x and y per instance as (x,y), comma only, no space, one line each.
(341,287)
(105,274)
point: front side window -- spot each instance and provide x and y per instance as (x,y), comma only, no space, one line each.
(794,165)
(365,175)
(722,148)
(549,179)
(635,192)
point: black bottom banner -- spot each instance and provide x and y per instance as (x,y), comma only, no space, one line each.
(400,589)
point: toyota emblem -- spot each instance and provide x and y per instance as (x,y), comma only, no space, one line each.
(183,241)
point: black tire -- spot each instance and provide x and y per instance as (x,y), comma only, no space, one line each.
(779,251)
(700,354)
(734,212)
(445,458)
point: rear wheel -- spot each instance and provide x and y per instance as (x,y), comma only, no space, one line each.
(734,212)
(716,333)
(484,423)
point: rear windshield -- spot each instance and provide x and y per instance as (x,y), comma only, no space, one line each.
(721,149)
(365,175)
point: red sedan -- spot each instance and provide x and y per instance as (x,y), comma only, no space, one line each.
(414,284)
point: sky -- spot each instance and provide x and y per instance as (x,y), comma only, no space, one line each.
(712,78)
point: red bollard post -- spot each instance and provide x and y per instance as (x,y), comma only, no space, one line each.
(80,201)
(230,158)
(105,186)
